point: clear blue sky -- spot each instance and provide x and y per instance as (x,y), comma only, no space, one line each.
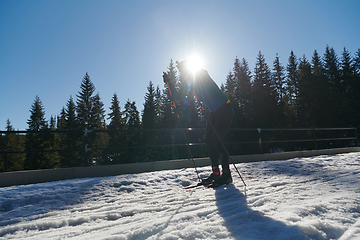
(46,47)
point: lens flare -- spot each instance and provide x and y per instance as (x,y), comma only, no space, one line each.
(195,63)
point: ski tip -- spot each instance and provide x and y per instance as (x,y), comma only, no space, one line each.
(194,186)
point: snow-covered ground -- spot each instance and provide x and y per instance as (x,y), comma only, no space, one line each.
(306,198)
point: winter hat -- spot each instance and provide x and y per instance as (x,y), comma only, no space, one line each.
(183,65)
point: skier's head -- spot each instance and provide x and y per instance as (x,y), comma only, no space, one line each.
(183,67)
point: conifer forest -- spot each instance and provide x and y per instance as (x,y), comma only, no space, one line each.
(318,92)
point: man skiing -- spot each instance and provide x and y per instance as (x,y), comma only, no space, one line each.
(218,123)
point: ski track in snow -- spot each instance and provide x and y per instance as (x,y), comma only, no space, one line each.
(303,198)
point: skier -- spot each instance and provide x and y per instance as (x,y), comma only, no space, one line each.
(218,123)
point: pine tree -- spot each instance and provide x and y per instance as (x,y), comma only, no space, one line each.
(347,75)
(98,139)
(116,139)
(97,113)
(12,142)
(116,121)
(278,81)
(230,87)
(51,141)
(356,103)
(85,102)
(35,141)
(264,102)
(306,95)
(132,122)
(292,82)
(321,92)
(336,88)
(356,62)
(278,78)
(71,121)
(149,120)
(243,91)
(61,120)
(149,113)
(37,119)
(71,140)
(2,148)
(158,103)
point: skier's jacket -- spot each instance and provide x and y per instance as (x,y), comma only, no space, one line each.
(203,87)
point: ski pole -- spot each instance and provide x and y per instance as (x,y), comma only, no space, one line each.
(186,139)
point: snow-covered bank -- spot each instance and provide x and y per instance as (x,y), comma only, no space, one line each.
(303,198)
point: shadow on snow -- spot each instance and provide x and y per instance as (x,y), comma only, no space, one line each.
(245,223)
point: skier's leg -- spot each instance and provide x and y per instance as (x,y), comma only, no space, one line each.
(221,126)
(213,152)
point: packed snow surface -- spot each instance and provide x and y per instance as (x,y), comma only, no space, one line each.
(302,198)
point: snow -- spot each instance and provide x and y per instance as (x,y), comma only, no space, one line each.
(302,198)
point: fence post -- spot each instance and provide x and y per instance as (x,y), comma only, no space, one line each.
(315,143)
(259,131)
(86,162)
(356,136)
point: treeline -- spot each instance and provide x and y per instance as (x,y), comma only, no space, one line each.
(323,91)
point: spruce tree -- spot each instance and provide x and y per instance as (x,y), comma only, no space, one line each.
(2,148)
(149,120)
(157,104)
(243,92)
(97,113)
(116,139)
(35,141)
(321,92)
(85,102)
(149,113)
(52,143)
(306,95)
(116,121)
(347,75)
(98,139)
(278,81)
(61,120)
(278,78)
(336,88)
(292,82)
(71,121)
(37,119)
(12,142)
(131,113)
(356,103)
(71,139)
(230,86)
(132,122)
(264,102)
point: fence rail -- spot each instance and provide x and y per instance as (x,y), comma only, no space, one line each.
(264,138)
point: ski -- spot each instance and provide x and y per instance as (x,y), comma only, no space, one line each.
(197,185)
(194,186)
(215,186)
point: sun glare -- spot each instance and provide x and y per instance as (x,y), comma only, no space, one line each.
(195,63)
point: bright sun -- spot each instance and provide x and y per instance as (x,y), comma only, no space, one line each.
(195,63)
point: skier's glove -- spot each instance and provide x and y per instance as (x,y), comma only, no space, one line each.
(166,77)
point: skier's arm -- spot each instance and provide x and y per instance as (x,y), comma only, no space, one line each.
(173,91)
